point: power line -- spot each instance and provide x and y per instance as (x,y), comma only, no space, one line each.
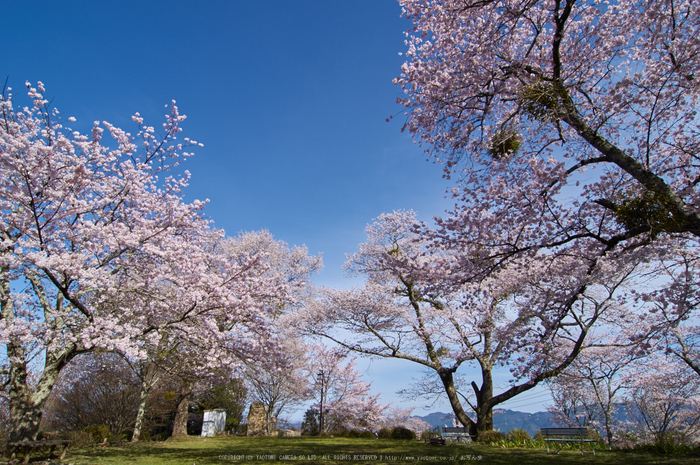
(540,395)
(525,402)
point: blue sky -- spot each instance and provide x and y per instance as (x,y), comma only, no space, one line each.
(288,97)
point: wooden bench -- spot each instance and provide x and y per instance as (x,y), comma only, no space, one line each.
(456,434)
(442,436)
(563,436)
(435,438)
(27,447)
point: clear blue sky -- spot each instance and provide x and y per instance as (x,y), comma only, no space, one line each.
(288,97)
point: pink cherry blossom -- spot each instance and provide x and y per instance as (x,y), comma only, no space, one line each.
(99,251)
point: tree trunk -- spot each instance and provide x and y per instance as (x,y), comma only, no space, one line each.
(25,413)
(484,409)
(182,412)
(24,417)
(147,382)
(27,405)
(449,384)
(608,428)
(141,413)
(269,417)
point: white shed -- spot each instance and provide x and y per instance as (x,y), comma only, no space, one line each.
(214,422)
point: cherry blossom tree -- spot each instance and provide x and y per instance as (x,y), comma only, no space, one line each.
(533,93)
(593,388)
(99,251)
(670,310)
(281,277)
(573,402)
(288,268)
(533,316)
(398,417)
(342,399)
(663,399)
(276,378)
(537,95)
(280,384)
(569,125)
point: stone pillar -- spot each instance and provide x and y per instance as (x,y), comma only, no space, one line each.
(257,420)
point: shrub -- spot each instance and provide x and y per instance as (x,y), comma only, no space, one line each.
(396,433)
(98,433)
(354,433)
(490,437)
(672,443)
(402,433)
(342,433)
(89,436)
(519,437)
(95,389)
(80,439)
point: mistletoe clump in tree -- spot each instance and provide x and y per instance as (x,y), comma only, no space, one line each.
(548,89)
(534,94)
(571,128)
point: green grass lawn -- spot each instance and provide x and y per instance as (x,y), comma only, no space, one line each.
(340,451)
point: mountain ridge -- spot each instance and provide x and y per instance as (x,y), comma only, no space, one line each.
(504,420)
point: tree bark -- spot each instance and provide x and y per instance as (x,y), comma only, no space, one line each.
(27,405)
(141,413)
(608,429)
(446,376)
(25,409)
(182,412)
(148,380)
(484,407)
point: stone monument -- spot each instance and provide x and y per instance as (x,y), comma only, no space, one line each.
(257,419)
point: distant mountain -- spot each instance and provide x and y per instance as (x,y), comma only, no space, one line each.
(503,420)
(438,419)
(506,420)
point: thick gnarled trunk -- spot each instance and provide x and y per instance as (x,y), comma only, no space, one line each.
(182,412)
(25,408)
(27,402)
(446,376)
(484,406)
(27,405)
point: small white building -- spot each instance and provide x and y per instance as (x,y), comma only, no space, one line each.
(214,422)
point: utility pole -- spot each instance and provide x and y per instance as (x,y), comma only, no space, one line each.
(320,376)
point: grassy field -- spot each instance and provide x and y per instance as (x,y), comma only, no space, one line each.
(337,451)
